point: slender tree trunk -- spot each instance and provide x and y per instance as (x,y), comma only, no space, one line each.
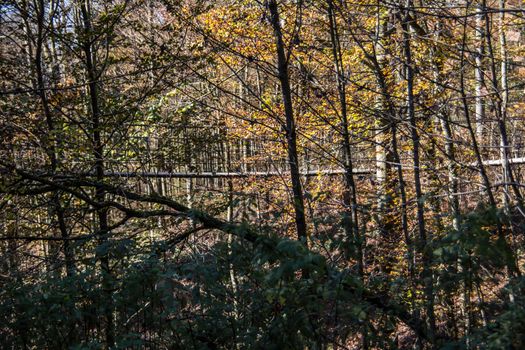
(351,219)
(452,189)
(98,154)
(291,136)
(422,232)
(53,136)
(229,218)
(383,127)
(499,99)
(501,93)
(479,75)
(453,200)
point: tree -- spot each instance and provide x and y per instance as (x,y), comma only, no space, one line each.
(245,174)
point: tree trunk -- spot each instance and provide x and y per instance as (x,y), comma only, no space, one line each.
(350,220)
(98,154)
(52,141)
(383,153)
(414,135)
(291,136)
(479,77)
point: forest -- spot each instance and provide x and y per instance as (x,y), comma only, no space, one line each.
(262,174)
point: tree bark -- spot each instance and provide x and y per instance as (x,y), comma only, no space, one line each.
(383,126)
(422,232)
(351,219)
(52,135)
(290,128)
(479,75)
(98,154)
